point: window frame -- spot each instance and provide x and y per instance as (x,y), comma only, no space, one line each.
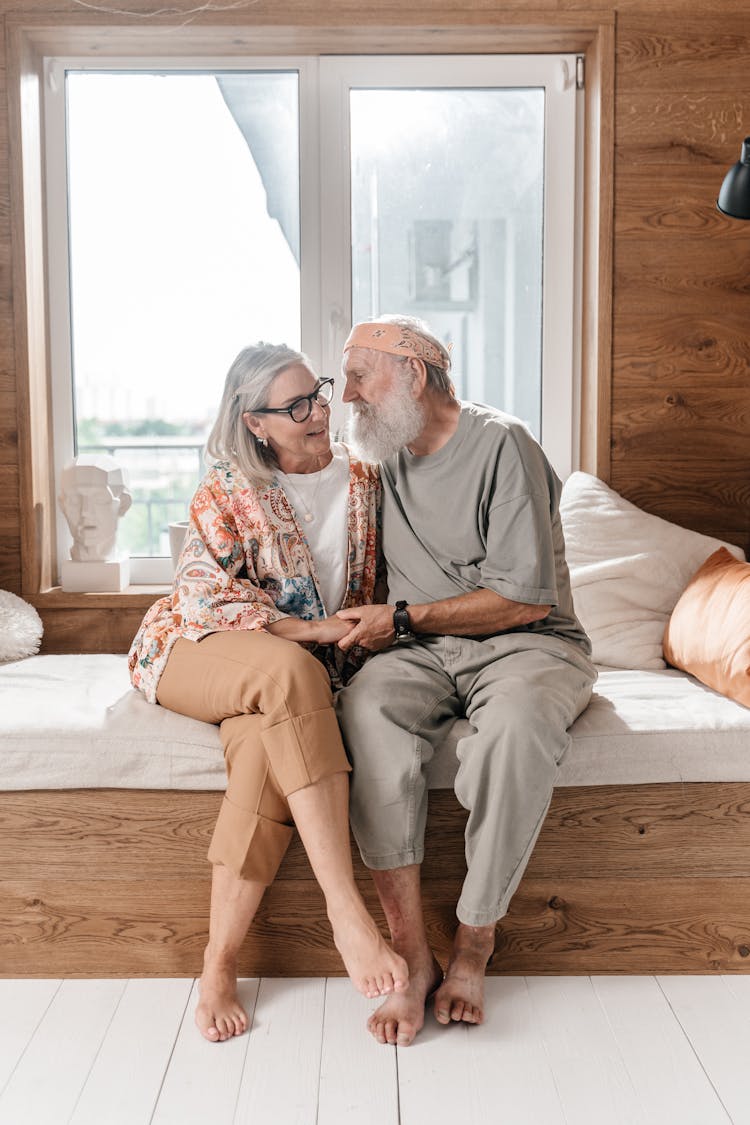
(588,34)
(562,235)
(156,569)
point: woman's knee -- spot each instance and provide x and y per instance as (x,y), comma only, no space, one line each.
(288,680)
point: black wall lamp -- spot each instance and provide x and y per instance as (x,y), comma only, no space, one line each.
(734,197)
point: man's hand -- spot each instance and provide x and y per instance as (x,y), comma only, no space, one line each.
(372,627)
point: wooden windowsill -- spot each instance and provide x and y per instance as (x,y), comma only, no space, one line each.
(134,597)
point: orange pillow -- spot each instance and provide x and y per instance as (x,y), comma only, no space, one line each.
(708,634)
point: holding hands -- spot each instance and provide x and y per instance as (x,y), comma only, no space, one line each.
(369,626)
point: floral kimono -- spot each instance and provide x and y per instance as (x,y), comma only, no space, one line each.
(246,563)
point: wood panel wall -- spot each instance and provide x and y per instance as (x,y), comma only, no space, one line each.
(679,437)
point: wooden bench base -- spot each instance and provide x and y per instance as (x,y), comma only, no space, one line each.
(624,879)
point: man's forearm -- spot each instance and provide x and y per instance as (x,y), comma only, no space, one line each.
(474,614)
(468,615)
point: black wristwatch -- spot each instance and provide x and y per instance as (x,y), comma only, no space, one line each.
(402,624)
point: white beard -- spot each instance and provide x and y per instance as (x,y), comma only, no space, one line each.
(381,430)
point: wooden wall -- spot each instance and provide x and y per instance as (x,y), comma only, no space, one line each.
(681,347)
(679,439)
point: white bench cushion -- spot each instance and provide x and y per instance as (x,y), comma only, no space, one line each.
(71,722)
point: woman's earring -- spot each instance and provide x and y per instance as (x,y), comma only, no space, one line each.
(263,441)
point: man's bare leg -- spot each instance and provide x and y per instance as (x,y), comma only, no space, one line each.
(321,814)
(234,901)
(461,995)
(399,1019)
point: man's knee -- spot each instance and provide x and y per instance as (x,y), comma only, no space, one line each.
(359,712)
(517,735)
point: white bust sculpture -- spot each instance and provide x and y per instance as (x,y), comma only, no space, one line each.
(93,496)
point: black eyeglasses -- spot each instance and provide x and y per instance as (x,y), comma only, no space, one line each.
(301,409)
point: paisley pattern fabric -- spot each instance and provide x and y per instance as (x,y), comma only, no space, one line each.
(395,340)
(246,563)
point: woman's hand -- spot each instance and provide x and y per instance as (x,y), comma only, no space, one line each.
(330,630)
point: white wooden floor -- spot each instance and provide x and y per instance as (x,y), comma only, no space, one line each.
(574,1050)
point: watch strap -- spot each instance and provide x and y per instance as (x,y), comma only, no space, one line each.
(401,623)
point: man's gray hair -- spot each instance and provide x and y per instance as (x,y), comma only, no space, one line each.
(438,379)
(246,388)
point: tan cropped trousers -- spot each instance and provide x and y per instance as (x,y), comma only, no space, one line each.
(272,700)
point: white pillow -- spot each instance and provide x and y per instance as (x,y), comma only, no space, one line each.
(627,570)
(20,628)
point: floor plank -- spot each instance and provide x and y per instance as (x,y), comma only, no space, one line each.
(125,1080)
(204,1078)
(45,1085)
(552,1050)
(590,1075)
(461,1073)
(282,1069)
(23,1004)
(509,1062)
(357,1075)
(433,1082)
(713,1013)
(667,1076)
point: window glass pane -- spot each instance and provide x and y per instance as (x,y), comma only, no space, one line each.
(184,247)
(447,211)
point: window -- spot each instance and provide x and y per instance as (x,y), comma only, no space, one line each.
(193,210)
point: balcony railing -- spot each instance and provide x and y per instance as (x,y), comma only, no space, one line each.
(162,476)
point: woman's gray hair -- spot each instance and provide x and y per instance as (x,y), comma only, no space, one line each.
(246,388)
(438,378)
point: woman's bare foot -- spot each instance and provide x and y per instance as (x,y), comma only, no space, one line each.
(374,968)
(398,1020)
(219,1014)
(461,995)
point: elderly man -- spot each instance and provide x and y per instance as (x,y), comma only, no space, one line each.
(480,623)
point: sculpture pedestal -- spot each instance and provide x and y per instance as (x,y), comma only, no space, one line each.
(95,577)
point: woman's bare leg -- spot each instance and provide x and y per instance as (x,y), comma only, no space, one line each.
(234,901)
(321,814)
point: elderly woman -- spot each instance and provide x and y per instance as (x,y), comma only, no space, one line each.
(282,534)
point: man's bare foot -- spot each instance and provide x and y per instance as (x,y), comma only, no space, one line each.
(374,968)
(219,1014)
(461,995)
(402,1016)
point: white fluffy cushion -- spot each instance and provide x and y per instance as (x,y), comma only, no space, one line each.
(627,570)
(20,628)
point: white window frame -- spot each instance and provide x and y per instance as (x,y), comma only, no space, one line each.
(158,569)
(325,217)
(562,249)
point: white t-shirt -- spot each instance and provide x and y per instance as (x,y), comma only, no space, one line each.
(321,505)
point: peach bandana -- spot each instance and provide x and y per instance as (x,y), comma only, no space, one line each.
(395,340)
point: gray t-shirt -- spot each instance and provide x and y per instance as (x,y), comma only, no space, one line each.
(481,512)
